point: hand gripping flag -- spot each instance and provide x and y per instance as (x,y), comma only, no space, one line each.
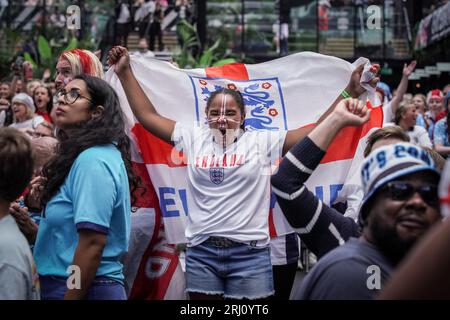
(281,94)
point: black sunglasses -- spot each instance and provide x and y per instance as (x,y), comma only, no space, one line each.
(400,191)
(70,96)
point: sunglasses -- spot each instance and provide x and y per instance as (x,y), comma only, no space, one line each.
(401,191)
(70,96)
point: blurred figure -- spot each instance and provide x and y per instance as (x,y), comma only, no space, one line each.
(52,86)
(143,17)
(43,101)
(155,28)
(183,8)
(6,114)
(24,112)
(143,50)
(123,22)
(420,101)
(44,148)
(57,19)
(43,129)
(322,12)
(441,136)
(390,107)
(18,86)
(407,98)
(446,90)
(5,90)
(383,137)
(436,110)
(32,85)
(385,90)
(283,27)
(18,276)
(405,118)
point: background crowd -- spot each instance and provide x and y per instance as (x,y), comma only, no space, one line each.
(62,139)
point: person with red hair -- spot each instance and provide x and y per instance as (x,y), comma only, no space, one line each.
(75,62)
(435,102)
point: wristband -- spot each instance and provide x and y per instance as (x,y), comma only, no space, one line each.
(345,94)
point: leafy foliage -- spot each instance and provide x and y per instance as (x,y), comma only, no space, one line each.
(48,57)
(193,55)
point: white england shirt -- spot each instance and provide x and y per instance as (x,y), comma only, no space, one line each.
(418,135)
(229,188)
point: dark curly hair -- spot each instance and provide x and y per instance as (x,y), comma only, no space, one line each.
(106,129)
(235,94)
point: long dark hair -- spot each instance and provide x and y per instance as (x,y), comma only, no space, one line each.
(49,106)
(235,94)
(106,129)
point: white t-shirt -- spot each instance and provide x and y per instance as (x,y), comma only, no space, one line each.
(230,189)
(147,55)
(124,15)
(388,115)
(418,136)
(18,273)
(28,124)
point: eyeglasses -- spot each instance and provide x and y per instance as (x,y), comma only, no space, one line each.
(401,191)
(71,96)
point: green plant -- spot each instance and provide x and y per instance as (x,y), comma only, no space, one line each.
(48,57)
(192,55)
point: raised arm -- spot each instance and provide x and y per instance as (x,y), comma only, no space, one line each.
(141,106)
(321,228)
(402,86)
(353,88)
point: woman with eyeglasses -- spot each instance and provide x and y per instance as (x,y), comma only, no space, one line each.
(85,224)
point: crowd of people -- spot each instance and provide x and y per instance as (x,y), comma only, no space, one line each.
(61,143)
(147,17)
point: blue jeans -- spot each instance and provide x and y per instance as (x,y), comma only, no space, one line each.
(239,271)
(102,288)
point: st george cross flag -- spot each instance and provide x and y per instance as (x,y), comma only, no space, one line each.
(282,94)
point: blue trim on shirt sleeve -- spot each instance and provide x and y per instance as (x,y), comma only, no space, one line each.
(92,226)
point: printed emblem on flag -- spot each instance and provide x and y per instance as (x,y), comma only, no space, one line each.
(263,100)
(216,175)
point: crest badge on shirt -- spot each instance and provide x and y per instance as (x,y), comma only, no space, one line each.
(216,175)
(263,100)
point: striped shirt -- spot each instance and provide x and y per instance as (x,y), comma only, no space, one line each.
(320,227)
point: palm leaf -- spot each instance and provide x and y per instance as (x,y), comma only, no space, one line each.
(45,52)
(30,60)
(73,44)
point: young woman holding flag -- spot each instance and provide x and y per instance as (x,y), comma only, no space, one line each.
(229,180)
